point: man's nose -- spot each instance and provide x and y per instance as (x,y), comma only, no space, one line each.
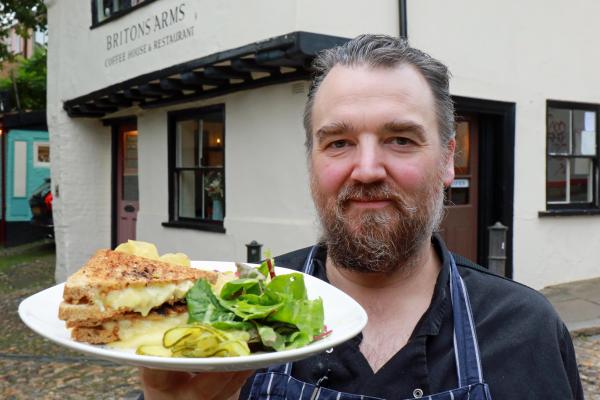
(368,164)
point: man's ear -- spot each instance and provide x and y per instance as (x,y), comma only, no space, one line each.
(448,171)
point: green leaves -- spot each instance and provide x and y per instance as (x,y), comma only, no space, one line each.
(275,313)
(29,78)
(23,16)
(204,306)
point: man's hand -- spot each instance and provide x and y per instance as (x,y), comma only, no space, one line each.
(159,385)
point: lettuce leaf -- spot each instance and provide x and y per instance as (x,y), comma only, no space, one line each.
(204,306)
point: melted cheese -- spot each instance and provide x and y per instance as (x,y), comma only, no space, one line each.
(133,334)
(143,299)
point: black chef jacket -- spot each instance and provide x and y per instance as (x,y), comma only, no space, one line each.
(526,350)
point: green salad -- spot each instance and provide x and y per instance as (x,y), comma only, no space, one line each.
(254,311)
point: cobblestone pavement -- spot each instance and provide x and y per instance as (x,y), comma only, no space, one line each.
(34,368)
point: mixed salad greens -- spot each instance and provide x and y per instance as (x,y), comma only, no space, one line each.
(254,311)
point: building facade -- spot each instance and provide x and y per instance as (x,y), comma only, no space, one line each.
(180,123)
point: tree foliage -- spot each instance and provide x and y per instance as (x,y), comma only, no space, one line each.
(26,76)
(29,81)
(22,15)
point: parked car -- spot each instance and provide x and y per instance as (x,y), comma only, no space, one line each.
(40,203)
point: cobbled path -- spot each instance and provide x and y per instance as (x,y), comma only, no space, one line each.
(34,368)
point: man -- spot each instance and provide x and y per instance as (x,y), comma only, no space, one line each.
(380,142)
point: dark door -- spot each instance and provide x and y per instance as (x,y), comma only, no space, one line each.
(459,228)
(127,197)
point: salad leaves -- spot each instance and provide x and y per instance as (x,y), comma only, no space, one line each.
(274,311)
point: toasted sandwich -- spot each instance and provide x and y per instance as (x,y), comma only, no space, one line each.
(118,297)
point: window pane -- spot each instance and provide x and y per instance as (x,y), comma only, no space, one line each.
(584,132)
(213,134)
(188,142)
(556,180)
(130,166)
(214,190)
(201,194)
(462,153)
(581,180)
(559,130)
(190,194)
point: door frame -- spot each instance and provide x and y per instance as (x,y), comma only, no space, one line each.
(496,170)
(114,124)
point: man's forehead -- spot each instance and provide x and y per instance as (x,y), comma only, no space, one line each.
(402,85)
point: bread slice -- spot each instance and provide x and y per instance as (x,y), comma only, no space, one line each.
(113,290)
(110,270)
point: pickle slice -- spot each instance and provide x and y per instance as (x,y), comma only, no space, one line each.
(205,341)
(153,350)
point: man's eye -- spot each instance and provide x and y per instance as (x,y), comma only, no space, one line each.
(338,144)
(402,141)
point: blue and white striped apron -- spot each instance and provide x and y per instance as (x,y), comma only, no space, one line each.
(278,384)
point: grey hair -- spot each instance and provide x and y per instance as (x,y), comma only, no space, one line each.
(382,51)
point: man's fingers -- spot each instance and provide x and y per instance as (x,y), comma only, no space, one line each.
(217,385)
(163,380)
(180,385)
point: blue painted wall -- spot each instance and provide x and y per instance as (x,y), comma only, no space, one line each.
(17,208)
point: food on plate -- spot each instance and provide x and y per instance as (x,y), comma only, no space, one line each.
(133,298)
(128,298)
(251,311)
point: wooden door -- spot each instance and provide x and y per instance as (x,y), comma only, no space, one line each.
(459,228)
(127,182)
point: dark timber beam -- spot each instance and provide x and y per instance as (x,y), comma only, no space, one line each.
(252,66)
(226,73)
(196,78)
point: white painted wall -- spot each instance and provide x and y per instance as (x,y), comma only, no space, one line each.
(526,53)
(266,183)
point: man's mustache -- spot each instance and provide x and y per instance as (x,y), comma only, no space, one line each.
(373,192)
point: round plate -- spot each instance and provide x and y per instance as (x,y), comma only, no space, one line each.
(343,316)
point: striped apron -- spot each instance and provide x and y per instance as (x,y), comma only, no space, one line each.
(278,384)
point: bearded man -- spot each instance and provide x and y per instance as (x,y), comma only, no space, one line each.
(380,144)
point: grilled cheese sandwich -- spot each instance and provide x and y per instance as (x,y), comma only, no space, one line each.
(114,294)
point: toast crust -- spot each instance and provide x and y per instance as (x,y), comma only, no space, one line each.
(110,270)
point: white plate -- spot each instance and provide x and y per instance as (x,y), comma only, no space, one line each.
(343,316)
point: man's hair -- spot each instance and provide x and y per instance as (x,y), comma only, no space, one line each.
(382,51)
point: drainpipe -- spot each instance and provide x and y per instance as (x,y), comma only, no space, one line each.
(402,20)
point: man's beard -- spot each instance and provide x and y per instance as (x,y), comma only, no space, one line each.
(379,240)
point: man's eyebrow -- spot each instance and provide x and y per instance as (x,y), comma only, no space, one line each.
(406,126)
(333,129)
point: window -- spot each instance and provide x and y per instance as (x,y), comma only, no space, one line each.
(571,156)
(103,10)
(41,154)
(197,168)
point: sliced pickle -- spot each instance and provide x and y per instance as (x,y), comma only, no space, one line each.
(174,335)
(153,350)
(205,341)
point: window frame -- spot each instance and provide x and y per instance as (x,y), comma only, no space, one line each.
(173,118)
(117,15)
(574,208)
